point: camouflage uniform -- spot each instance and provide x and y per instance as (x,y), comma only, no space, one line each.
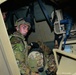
(20,49)
(50,64)
(42,60)
(27,62)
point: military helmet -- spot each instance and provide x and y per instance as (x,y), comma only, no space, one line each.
(22,21)
(36,60)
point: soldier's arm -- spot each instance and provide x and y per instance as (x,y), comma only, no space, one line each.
(17,44)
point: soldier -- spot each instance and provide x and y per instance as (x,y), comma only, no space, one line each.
(19,44)
(41,60)
(30,61)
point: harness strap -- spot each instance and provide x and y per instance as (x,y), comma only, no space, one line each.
(45,14)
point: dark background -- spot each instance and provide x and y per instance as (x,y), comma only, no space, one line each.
(14,4)
(68,6)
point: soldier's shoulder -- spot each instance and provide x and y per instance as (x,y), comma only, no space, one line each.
(14,39)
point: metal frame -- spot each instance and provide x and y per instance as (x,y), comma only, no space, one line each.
(70,57)
(55,51)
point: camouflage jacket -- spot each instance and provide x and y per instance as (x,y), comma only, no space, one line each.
(20,49)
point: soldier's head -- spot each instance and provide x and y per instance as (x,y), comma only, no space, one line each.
(36,60)
(22,26)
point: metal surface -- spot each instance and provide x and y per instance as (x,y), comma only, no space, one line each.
(67,64)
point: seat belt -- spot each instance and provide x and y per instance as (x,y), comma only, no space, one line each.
(69,26)
(46,14)
(68,20)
